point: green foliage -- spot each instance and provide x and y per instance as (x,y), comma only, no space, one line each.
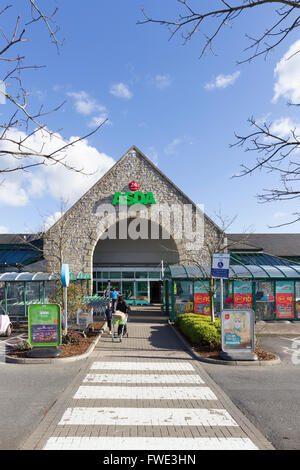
(23,346)
(199,329)
(76,294)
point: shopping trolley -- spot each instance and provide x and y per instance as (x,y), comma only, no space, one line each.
(119,326)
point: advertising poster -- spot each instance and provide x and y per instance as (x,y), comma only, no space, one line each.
(242,294)
(183,297)
(284,299)
(237,330)
(201,298)
(44,325)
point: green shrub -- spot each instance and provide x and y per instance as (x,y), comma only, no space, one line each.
(199,329)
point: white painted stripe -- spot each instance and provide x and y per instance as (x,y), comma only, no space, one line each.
(147,417)
(149,443)
(96,392)
(178,365)
(143,379)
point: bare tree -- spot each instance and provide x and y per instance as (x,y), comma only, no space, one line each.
(23,121)
(224,14)
(274,152)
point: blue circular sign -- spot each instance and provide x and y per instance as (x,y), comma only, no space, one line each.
(65,275)
(220,264)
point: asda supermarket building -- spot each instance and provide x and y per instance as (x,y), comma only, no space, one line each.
(105,237)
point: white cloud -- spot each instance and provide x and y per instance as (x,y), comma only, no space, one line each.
(51,219)
(4,229)
(280,215)
(223,81)
(19,188)
(287,74)
(162,81)
(86,105)
(283,127)
(98,120)
(120,90)
(11,194)
(171,148)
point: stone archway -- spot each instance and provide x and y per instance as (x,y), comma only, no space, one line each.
(135,252)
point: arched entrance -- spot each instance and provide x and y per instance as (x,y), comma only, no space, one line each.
(133,267)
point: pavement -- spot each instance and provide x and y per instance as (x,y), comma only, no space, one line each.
(147,392)
(277,328)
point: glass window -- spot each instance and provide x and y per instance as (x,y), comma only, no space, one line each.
(141,275)
(115,285)
(100,287)
(285,299)
(297,292)
(49,289)
(228,294)
(128,290)
(265,300)
(183,293)
(97,275)
(154,275)
(202,298)
(34,292)
(242,294)
(2,296)
(115,275)
(142,290)
(128,275)
(94,288)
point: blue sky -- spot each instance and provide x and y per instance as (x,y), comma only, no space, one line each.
(181,111)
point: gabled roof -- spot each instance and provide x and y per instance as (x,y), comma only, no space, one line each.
(156,169)
(277,244)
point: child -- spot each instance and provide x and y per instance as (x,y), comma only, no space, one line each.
(108,314)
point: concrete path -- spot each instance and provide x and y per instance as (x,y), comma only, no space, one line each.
(148,393)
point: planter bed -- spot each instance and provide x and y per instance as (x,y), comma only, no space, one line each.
(69,350)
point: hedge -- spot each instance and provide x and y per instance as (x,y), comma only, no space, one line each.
(199,329)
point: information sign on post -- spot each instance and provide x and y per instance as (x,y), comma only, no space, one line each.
(44,329)
(237,330)
(220,270)
(65,280)
(220,266)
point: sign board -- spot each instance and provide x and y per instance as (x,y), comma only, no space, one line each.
(65,275)
(284,299)
(136,197)
(201,298)
(84,316)
(220,266)
(237,330)
(44,325)
(242,294)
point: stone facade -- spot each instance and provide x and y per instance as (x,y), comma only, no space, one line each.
(74,237)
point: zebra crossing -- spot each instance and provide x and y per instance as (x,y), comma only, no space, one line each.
(149,405)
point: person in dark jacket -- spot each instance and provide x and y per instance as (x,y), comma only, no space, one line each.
(108,315)
(122,307)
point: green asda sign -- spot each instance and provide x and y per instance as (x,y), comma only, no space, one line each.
(136,197)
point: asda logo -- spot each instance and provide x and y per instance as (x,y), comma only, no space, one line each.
(130,198)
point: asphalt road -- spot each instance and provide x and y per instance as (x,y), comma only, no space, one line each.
(268,396)
(26,394)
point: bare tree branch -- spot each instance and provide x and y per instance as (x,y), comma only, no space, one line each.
(24,123)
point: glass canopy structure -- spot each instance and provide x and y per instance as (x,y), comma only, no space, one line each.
(267,284)
(19,290)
